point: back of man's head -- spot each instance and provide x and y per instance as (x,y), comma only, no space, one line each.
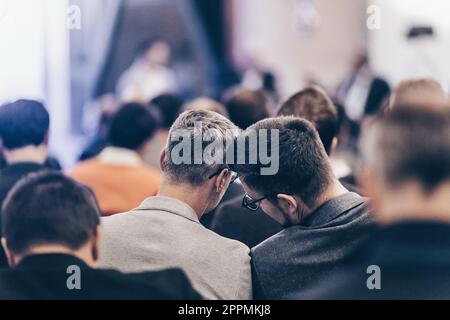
(132,126)
(304,167)
(201,152)
(246,107)
(314,105)
(48,208)
(410,144)
(169,107)
(23,123)
(424,92)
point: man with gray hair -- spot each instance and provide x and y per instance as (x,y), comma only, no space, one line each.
(164,231)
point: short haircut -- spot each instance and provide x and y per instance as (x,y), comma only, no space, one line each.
(132,126)
(419,92)
(214,126)
(206,104)
(23,123)
(410,143)
(313,104)
(304,167)
(246,107)
(48,208)
(169,107)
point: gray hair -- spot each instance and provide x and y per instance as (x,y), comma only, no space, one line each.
(204,132)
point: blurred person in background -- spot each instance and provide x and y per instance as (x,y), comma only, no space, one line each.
(149,76)
(169,107)
(425,92)
(406,172)
(24,129)
(107,105)
(119,176)
(206,104)
(361,92)
(230,219)
(63,238)
(165,232)
(323,224)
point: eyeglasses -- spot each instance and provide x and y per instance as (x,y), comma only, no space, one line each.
(234,175)
(252,204)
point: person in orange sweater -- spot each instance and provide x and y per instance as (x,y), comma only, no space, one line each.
(118,175)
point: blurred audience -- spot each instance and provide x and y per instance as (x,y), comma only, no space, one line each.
(406,173)
(169,107)
(118,175)
(165,232)
(24,127)
(323,223)
(51,236)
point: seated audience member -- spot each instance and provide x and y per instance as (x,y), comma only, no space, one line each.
(246,107)
(118,175)
(313,104)
(51,230)
(323,222)
(24,128)
(206,104)
(406,171)
(169,107)
(419,92)
(165,232)
(230,219)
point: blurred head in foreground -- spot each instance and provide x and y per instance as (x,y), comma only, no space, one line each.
(406,164)
(48,212)
(423,92)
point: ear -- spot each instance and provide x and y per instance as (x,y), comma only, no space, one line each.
(334,144)
(222,180)
(162,156)
(289,206)
(9,256)
(96,244)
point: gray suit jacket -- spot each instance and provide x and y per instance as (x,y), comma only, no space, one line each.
(299,257)
(165,233)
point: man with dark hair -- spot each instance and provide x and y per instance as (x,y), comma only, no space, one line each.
(118,176)
(164,231)
(230,219)
(51,236)
(313,104)
(247,107)
(406,172)
(323,223)
(24,126)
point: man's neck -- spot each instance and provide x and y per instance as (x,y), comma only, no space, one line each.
(336,189)
(34,154)
(82,254)
(410,203)
(185,193)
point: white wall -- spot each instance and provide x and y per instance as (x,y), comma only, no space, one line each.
(396,57)
(266,28)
